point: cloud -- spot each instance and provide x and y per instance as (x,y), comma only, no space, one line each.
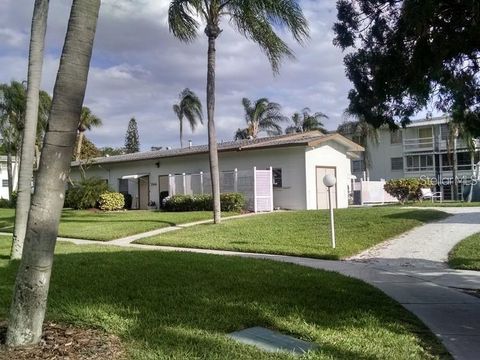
(138,69)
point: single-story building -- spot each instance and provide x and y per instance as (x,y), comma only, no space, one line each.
(298,163)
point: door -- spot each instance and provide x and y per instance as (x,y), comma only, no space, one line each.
(322,190)
(163,187)
(143,192)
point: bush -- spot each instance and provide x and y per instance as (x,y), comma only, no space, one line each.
(127,199)
(406,189)
(85,194)
(229,201)
(111,201)
(5,204)
(13,200)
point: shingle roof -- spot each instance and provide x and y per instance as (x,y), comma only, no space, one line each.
(311,138)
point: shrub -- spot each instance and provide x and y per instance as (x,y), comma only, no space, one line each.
(5,204)
(232,202)
(127,199)
(85,194)
(229,201)
(110,201)
(13,200)
(406,189)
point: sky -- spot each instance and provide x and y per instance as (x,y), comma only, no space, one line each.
(138,69)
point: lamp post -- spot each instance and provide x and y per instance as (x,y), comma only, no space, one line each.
(329,180)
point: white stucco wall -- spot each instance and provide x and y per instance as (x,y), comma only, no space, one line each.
(4,176)
(298,165)
(291,160)
(330,155)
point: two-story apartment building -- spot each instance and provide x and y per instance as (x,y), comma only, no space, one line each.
(423,149)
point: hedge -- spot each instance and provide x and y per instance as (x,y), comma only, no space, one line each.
(110,201)
(85,194)
(406,189)
(229,202)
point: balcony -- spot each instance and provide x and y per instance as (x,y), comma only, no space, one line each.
(419,144)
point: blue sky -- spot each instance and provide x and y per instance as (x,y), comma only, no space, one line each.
(138,69)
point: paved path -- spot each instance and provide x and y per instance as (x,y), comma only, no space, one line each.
(409,269)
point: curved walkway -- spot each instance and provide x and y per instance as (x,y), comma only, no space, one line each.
(410,269)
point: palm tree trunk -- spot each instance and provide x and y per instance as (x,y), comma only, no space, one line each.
(212,138)
(29,302)
(35,63)
(455,166)
(181,133)
(78,152)
(9,174)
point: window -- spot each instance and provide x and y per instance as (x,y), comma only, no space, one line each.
(420,162)
(5,183)
(277,177)
(396,137)
(357,166)
(123,186)
(397,163)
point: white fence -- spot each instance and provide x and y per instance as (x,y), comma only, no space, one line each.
(255,185)
(373,192)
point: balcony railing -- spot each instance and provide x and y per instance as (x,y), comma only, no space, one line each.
(446,168)
(419,169)
(418,144)
(430,143)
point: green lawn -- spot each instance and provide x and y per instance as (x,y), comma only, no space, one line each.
(110,225)
(181,306)
(427,203)
(466,255)
(304,233)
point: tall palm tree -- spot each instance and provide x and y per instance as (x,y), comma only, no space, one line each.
(87,121)
(457,131)
(30,294)
(364,134)
(25,175)
(189,107)
(263,115)
(256,20)
(305,121)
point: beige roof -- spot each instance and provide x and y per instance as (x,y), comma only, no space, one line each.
(311,138)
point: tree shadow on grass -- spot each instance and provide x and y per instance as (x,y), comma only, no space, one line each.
(182,305)
(420,215)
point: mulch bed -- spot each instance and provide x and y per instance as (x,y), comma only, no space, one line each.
(64,342)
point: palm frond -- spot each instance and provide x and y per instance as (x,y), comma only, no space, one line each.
(181,21)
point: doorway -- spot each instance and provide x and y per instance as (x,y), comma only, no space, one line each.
(143,192)
(322,190)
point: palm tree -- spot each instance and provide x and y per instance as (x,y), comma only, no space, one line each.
(457,131)
(25,175)
(87,121)
(30,294)
(261,116)
(189,107)
(362,133)
(256,20)
(306,122)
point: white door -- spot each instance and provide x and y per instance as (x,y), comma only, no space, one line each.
(322,190)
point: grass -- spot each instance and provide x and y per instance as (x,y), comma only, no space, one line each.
(446,203)
(466,254)
(302,233)
(105,226)
(181,306)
